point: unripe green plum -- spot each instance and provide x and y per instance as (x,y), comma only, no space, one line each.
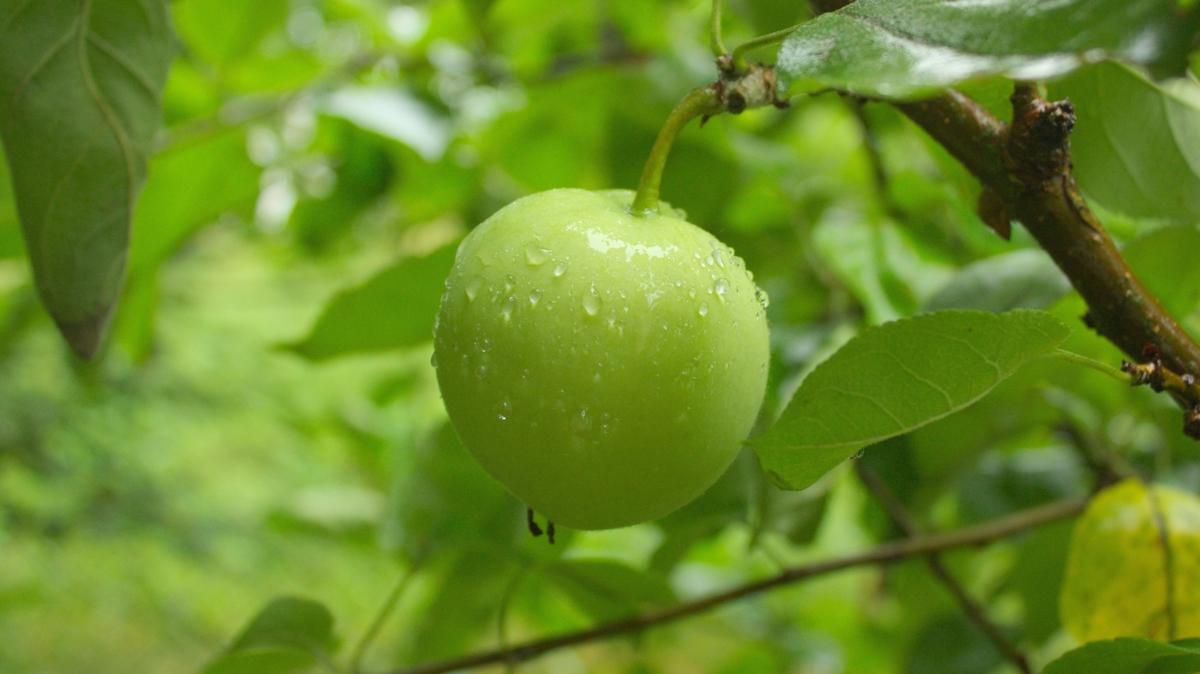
(605,367)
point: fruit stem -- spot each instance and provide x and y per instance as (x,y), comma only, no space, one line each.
(699,102)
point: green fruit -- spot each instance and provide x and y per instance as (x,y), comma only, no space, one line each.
(604,367)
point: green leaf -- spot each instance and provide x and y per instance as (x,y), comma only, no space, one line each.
(895,378)
(1022,279)
(1165,261)
(223,32)
(10,228)
(905,48)
(190,185)
(393,309)
(290,634)
(80,86)
(1136,145)
(608,589)
(1128,656)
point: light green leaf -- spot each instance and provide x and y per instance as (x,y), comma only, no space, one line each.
(393,309)
(223,32)
(190,185)
(80,86)
(895,378)
(905,48)
(290,634)
(1165,261)
(1128,656)
(1022,279)
(1136,144)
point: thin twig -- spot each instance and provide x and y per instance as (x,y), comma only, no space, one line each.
(971,608)
(885,553)
(385,611)
(718,43)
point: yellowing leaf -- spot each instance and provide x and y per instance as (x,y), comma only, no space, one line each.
(1121,580)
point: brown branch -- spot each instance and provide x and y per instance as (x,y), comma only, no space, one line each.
(1027,168)
(971,608)
(883,554)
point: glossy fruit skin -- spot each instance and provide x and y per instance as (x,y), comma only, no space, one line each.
(604,367)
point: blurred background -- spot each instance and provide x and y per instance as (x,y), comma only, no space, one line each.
(265,420)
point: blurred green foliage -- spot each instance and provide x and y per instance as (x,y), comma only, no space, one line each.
(153,502)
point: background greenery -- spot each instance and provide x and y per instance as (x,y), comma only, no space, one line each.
(219,453)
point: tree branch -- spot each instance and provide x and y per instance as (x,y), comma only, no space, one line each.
(1028,169)
(883,554)
(971,608)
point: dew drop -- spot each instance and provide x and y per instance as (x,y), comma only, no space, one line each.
(703,310)
(535,296)
(591,302)
(559,270)
(764,300)
(472,288)
(536,256)
(507,310)
(582,421)
(503,410)
(484,344)
(720,287)
(509,282)
(718,258)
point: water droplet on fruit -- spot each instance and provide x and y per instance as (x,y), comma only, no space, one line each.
(703,310)
(536,256)
(764,300)
(509,282)
(472,288)
(507,310)
(718,258)
(582,421)
(503,410)
(720,287)
(591,302)
(559,270)
(535,296)
(484,344)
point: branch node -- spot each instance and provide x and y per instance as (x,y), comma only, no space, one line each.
(1039,137)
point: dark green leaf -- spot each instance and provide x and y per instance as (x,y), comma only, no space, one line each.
(1022,279)
(952,644)
(1128,656)
(905,48)
(895,378)
(290,634)
(79,106)
(1136,144)
(393,309)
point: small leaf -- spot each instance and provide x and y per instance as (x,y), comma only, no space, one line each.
(289,634)
(1136,144)
(905,48)
(1022,279)
(608,589)
(1129,656)
(895,378)
(80,84)
(393,309)
(1120,580)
